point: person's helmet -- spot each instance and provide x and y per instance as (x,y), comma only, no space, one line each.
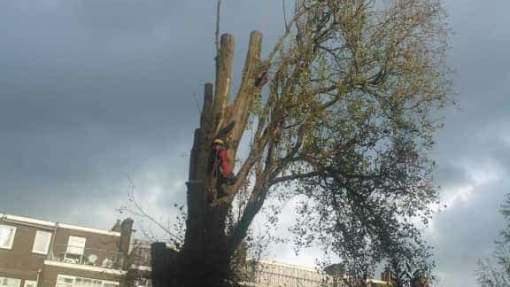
(218,141)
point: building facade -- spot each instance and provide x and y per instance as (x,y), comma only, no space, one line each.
(257,274)
(39,253)
(139,271)
(278,274)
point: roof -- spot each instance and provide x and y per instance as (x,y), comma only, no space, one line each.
(22,219)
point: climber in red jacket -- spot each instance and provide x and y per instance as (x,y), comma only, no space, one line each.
(221,163)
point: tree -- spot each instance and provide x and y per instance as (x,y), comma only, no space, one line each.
(495,272)
(409,266)
(492,274)
(341,113)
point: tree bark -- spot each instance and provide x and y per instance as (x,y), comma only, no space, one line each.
(204,259)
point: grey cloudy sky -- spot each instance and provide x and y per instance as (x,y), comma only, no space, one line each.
(94,91)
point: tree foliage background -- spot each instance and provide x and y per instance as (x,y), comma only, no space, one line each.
(353,94)
(339,114)
(495,271)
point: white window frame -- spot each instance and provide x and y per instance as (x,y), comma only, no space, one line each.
(2,280)
(10,243)
(39,236)
(75,277)
(64,277)
(109,282)
(29,283)
(71,249)
(91,282)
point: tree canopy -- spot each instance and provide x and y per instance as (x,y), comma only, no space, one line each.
(340,113)
(347,121)
(495,271)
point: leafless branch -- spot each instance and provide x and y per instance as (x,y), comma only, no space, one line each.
(218,18)
(284,8)
(140,211)
(279,44)
(294,177)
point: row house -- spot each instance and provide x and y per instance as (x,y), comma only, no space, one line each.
(39,253)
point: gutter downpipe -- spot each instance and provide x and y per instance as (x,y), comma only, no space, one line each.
(52,242)
(37,278)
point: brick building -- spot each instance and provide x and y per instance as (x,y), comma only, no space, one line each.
(39,253)
(139,274)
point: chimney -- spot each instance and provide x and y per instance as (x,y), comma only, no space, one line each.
(126,229)
(116,227)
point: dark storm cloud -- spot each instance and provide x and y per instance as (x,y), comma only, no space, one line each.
(473,151)
(92,92)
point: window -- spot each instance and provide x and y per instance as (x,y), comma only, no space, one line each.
(41,242)
(142,282)
(76,245)
(29,283)
(9,282)
(85,282)
(71,281)
(65,281)
(7,236)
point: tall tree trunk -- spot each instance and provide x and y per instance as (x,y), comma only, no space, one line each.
(204,251)
(204,259)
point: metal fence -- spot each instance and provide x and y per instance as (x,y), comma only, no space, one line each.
(87,256)
(272,274)
(275,274)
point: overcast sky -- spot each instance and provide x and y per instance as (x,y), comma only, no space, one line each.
(93,92)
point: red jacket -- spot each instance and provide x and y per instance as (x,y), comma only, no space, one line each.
(224,164)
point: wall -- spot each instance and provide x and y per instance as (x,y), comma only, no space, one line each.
(50,273)
(20,261)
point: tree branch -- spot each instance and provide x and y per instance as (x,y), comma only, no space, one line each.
(217,36)
(294,177)
(223,80)
(287,28)
(279,43)
(243,102)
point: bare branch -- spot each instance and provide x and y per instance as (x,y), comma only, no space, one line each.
(218,19)
(140,211)
(293,177)
(284,10)
(223,80)
(243,103)
(279,43)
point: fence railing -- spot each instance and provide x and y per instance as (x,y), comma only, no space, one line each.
(87,256)
(267,274)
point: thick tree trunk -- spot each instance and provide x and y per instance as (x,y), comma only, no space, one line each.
(204,259)
(204,255)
